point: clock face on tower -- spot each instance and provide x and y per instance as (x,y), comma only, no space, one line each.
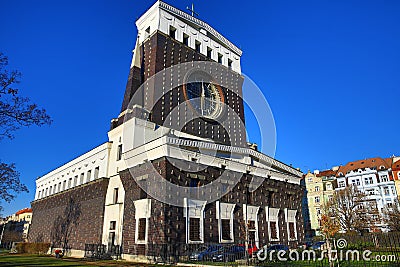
(204,96)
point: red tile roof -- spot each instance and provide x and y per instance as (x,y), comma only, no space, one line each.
(365,163)
(326,173)
(26,210)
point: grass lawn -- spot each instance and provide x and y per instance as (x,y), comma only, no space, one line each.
(21,260)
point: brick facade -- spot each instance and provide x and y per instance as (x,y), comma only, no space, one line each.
(76,214)
(160,52)
(167,224)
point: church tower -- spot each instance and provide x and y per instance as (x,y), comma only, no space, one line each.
(167,39)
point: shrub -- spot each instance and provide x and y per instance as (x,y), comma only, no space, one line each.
(32,248)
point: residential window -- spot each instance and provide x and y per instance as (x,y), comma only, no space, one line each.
(310,179)
(119,152)
(292,233)
(316,188)
(317,199)
(226,229)
(328,187)
(386,190)
(384,178)
(186,39)
(115,196)
(194,229)
(172,32)
(209,52)
(59,187)
(318,211)
(341,184)
(142,229)
(197,46)
(274,232)
(368,180)
(69,182)
(75,180)
(64,184)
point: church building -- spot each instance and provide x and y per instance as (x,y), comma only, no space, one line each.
(177,168)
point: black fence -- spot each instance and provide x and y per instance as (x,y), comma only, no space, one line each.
(100,251)
(368,250)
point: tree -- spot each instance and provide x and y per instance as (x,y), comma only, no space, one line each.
(391,217)
(351,210)
(15,112)
(9,182)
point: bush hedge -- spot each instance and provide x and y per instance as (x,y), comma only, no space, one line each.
(32,248)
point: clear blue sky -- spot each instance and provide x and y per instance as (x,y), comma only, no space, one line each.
(329,70)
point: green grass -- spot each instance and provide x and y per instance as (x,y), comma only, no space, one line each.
(21,260)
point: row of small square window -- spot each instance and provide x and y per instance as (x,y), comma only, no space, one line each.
(172,34)
(61,186)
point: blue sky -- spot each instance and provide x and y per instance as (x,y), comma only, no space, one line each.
(329,70)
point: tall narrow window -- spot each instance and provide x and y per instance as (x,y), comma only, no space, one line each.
(88,176)
(81,178)
(229,63)
(111,235)
(119,152)
(185,39)
(75,181)
(274,232)
(96,172)
(292,234)
(64,184)
(209,52)
(115,196)
(59,187)
(226,229)
(194,229)
(172,32)
(219,58)
(69,182)
(142,229)
(197,46)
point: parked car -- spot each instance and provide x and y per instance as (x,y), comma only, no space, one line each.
(318,245)
(278,247)
(231,253)
(204,253)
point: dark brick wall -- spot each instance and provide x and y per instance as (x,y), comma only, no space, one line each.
(160,52)
(76,213)
(167,224)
